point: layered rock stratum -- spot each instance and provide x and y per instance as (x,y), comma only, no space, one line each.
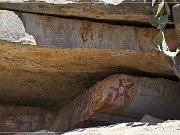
(94,64)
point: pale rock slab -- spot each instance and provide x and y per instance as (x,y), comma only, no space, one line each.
(72,33)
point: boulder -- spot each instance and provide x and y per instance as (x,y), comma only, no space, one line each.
(122,95)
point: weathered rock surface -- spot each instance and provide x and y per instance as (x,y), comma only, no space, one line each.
(52,77)
(119,11)
(166,128)
(92,9)
(72,33)
(125,96)
(12,28)
(24,119)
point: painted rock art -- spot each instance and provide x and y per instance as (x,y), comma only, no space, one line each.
(122,91)
(112,94)
(24,119)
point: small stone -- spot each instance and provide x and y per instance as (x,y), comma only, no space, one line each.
(151,120)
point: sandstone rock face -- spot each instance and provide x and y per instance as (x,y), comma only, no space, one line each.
(134,11)
(12,28)
(52,77)
(24,119)
(166,128)
(71,33)
(122,95)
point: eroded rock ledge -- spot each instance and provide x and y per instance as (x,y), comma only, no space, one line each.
(86,9)
(52,77)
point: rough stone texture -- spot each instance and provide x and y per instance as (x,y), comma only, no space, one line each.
(125,96)
(92,9)
(166,128)
(12,28)
(71,33)
(24,119)
(52,77)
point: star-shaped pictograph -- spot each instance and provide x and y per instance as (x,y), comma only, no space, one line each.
(122,90)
